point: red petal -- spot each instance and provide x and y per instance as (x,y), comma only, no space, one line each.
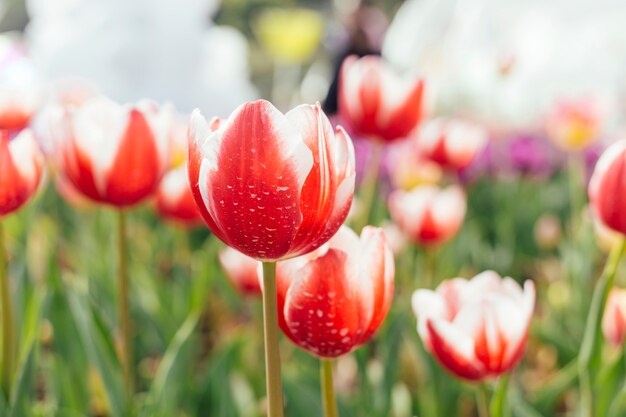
(608,188)
(136,170)
(406,117)
(321,312)
(14,189)
(254,188)
(451,359)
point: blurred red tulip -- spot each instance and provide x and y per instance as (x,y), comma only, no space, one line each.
(376,102)
(334,299)
(21,166)
(452,143)
(174,200)
(428,215)
(116,154)
(614,319)
(476,328)
(574,125)
(243,271)
(607,188)
(271,185)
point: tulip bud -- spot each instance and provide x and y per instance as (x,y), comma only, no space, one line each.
(333,300)
(271,185)
(607,187)
(475,328)
(428,215)
(548,231)
(574,125)
(21,166)
(374,101)
(116,154)
(452,143)
(614,319)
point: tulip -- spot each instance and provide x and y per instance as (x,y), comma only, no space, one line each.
(21,167)
(242,270)
(574,125)
(174,200)
(20,89)
(428,215)
(476,328)
(116,154)
(334,299)
(376,102)
(409,168)
(607,187)
(452,143)
(614,319)
(272,186)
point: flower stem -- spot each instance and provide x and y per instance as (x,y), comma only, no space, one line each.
(272,353)
(369,185)
(124,311)
(497,406)
(8,340)
(482,404)
(329,401)
(592,338)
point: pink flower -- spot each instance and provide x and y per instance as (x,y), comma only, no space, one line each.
(333,300)
(376,102)
(614,319)
(475,328)
(271,185)
(428,215)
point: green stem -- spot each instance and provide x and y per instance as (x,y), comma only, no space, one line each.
(369,185)
(592,339)
(575,175)
(482,404)
(124,312)
(497,406)
(272,353)
(329,401)
(430,267)
(8,340)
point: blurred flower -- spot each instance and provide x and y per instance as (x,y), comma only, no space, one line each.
(475,328)
(574,125)
(174,200)
(395,238)
(290,35)
(21,166)
(408,168)
(428,215)
(268,184)
(377,103)
(606,237)
(452,143)
(243,271)
(548,231)
(332,300)
(116,154)
(607,188)
(20,87)
(614,319)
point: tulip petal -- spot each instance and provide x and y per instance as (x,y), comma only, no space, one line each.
(251,176)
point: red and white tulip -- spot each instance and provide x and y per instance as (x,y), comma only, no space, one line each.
(116,154)
(332,300)
(452,143)
(376,102)
(427,214)
(271,185)
(478,328)
(607,187)
(21,167)
(614,319)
